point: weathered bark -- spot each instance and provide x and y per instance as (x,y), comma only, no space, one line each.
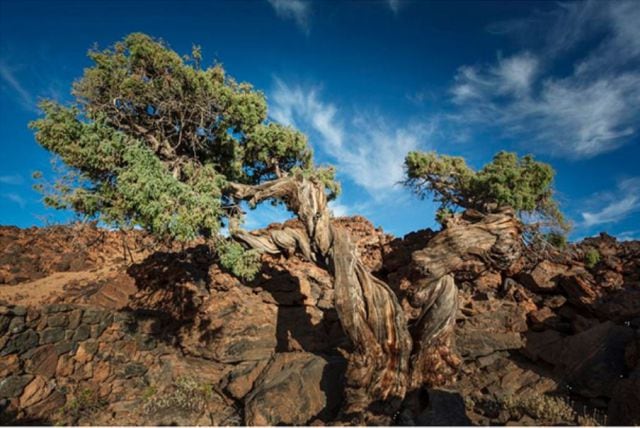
(377,375)
(387,360)
(433,360)
(494,239)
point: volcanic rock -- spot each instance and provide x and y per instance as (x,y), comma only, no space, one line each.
(544,277)
(294,389)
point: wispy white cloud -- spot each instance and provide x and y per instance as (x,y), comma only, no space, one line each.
(366,147)
(297,10)
(628,235)
(557,30)
(421,97)
(15,198)
(12,180)
(340,208)
(592,110)
(10,83)
(394,5)
(618,204)
(611,213)
(509,76)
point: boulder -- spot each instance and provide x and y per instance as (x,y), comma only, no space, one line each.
(490,326)
(9,365)
(620,307)
(543,317)
(590,362)
(43,361)
(580,289)
(295,388)
(476,343)
(546,346)
(52,335)
(242,377)
(234,326)
(13,386)
(48,407)
(37,390)
(610,279)
(544,277)
(20,343)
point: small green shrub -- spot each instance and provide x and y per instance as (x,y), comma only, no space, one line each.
(551,410)
(591,258)
(242,263)
(148,393)
(83,405)
(556,239)
(187,394)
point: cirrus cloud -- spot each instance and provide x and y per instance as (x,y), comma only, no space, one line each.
(297,10)
(592,110)
(618,204)
(366,147)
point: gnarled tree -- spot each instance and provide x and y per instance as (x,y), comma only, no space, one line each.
(487,233)
(156,141)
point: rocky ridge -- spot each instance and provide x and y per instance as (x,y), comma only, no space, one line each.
(115,329)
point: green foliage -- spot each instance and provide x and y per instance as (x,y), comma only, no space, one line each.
(241,262)
(521,183)
(556,239)
(442,214)
(154,138)
(591,258)
(122,181)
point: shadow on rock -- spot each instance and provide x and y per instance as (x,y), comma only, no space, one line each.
(279,333)
(174,282)
(300,325)
(445,408)
(171,287)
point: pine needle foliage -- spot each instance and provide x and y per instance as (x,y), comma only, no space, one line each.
(523,184)
(153,139)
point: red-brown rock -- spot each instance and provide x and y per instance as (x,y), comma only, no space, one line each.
(544,277)
(37,390)
(294,389)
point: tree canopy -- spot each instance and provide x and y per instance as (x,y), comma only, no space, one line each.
(523,184)
(154,140)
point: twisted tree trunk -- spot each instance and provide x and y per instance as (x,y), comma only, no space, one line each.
(492,239)
(387,360)
(377,374)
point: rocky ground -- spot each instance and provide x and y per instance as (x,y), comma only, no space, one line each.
(101,328)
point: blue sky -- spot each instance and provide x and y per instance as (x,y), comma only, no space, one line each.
(369,81)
